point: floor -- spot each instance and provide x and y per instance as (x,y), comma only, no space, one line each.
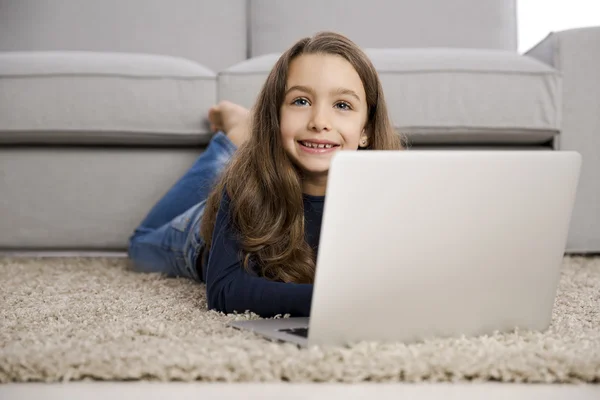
(152,390)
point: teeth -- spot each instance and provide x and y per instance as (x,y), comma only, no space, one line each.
(317,146)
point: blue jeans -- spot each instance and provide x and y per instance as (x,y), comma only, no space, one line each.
(168,239)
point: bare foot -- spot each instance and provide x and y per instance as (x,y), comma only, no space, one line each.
(232,119)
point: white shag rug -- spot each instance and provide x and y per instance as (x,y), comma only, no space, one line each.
(68,319)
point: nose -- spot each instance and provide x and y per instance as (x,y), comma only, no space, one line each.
(319,120)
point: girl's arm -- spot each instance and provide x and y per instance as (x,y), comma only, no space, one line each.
(229,287)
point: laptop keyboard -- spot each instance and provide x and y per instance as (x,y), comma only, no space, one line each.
(296,331)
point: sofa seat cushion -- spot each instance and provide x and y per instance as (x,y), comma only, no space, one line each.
(103,98)
(444,95)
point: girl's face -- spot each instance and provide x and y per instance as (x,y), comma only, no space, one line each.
(324,111)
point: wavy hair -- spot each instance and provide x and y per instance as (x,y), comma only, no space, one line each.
(264,186)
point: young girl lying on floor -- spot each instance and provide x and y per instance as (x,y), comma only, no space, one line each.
(246,218)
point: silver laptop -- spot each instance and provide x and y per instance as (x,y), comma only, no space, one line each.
(428,244)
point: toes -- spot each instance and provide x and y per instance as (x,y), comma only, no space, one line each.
(225,114)
(214,116)
(212,112)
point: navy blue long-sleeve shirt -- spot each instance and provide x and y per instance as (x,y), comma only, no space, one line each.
(230,287)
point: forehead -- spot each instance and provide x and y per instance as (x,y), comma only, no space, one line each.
(322,72)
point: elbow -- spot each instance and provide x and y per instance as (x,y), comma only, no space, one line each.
(220,297)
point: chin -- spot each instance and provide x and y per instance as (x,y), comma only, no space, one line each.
(315,168)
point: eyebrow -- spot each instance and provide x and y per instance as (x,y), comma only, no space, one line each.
(336,91)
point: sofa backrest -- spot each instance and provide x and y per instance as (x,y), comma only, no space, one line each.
(211,32)
(492,24)
(221,33)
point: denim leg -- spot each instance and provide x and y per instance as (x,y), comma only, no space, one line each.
(168,239)
(171,249)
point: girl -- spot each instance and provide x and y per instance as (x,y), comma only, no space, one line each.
(248,225)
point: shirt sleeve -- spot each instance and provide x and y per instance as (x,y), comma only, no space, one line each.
(230,287)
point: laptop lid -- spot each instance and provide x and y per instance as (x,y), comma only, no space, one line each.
(420,244)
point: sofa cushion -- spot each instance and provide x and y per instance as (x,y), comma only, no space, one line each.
(103,98)
(210,32)
(491,24)
(444,95)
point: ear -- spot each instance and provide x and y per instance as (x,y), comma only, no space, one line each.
(364,139)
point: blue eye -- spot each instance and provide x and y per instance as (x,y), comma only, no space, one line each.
(345,105)
(300,102)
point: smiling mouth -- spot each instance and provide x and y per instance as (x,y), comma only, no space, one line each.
(312,145)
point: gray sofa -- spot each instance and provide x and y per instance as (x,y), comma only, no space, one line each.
(103,103)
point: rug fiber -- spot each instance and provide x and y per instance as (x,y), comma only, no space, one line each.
(69,319)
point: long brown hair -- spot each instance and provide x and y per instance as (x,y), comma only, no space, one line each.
(265,188)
